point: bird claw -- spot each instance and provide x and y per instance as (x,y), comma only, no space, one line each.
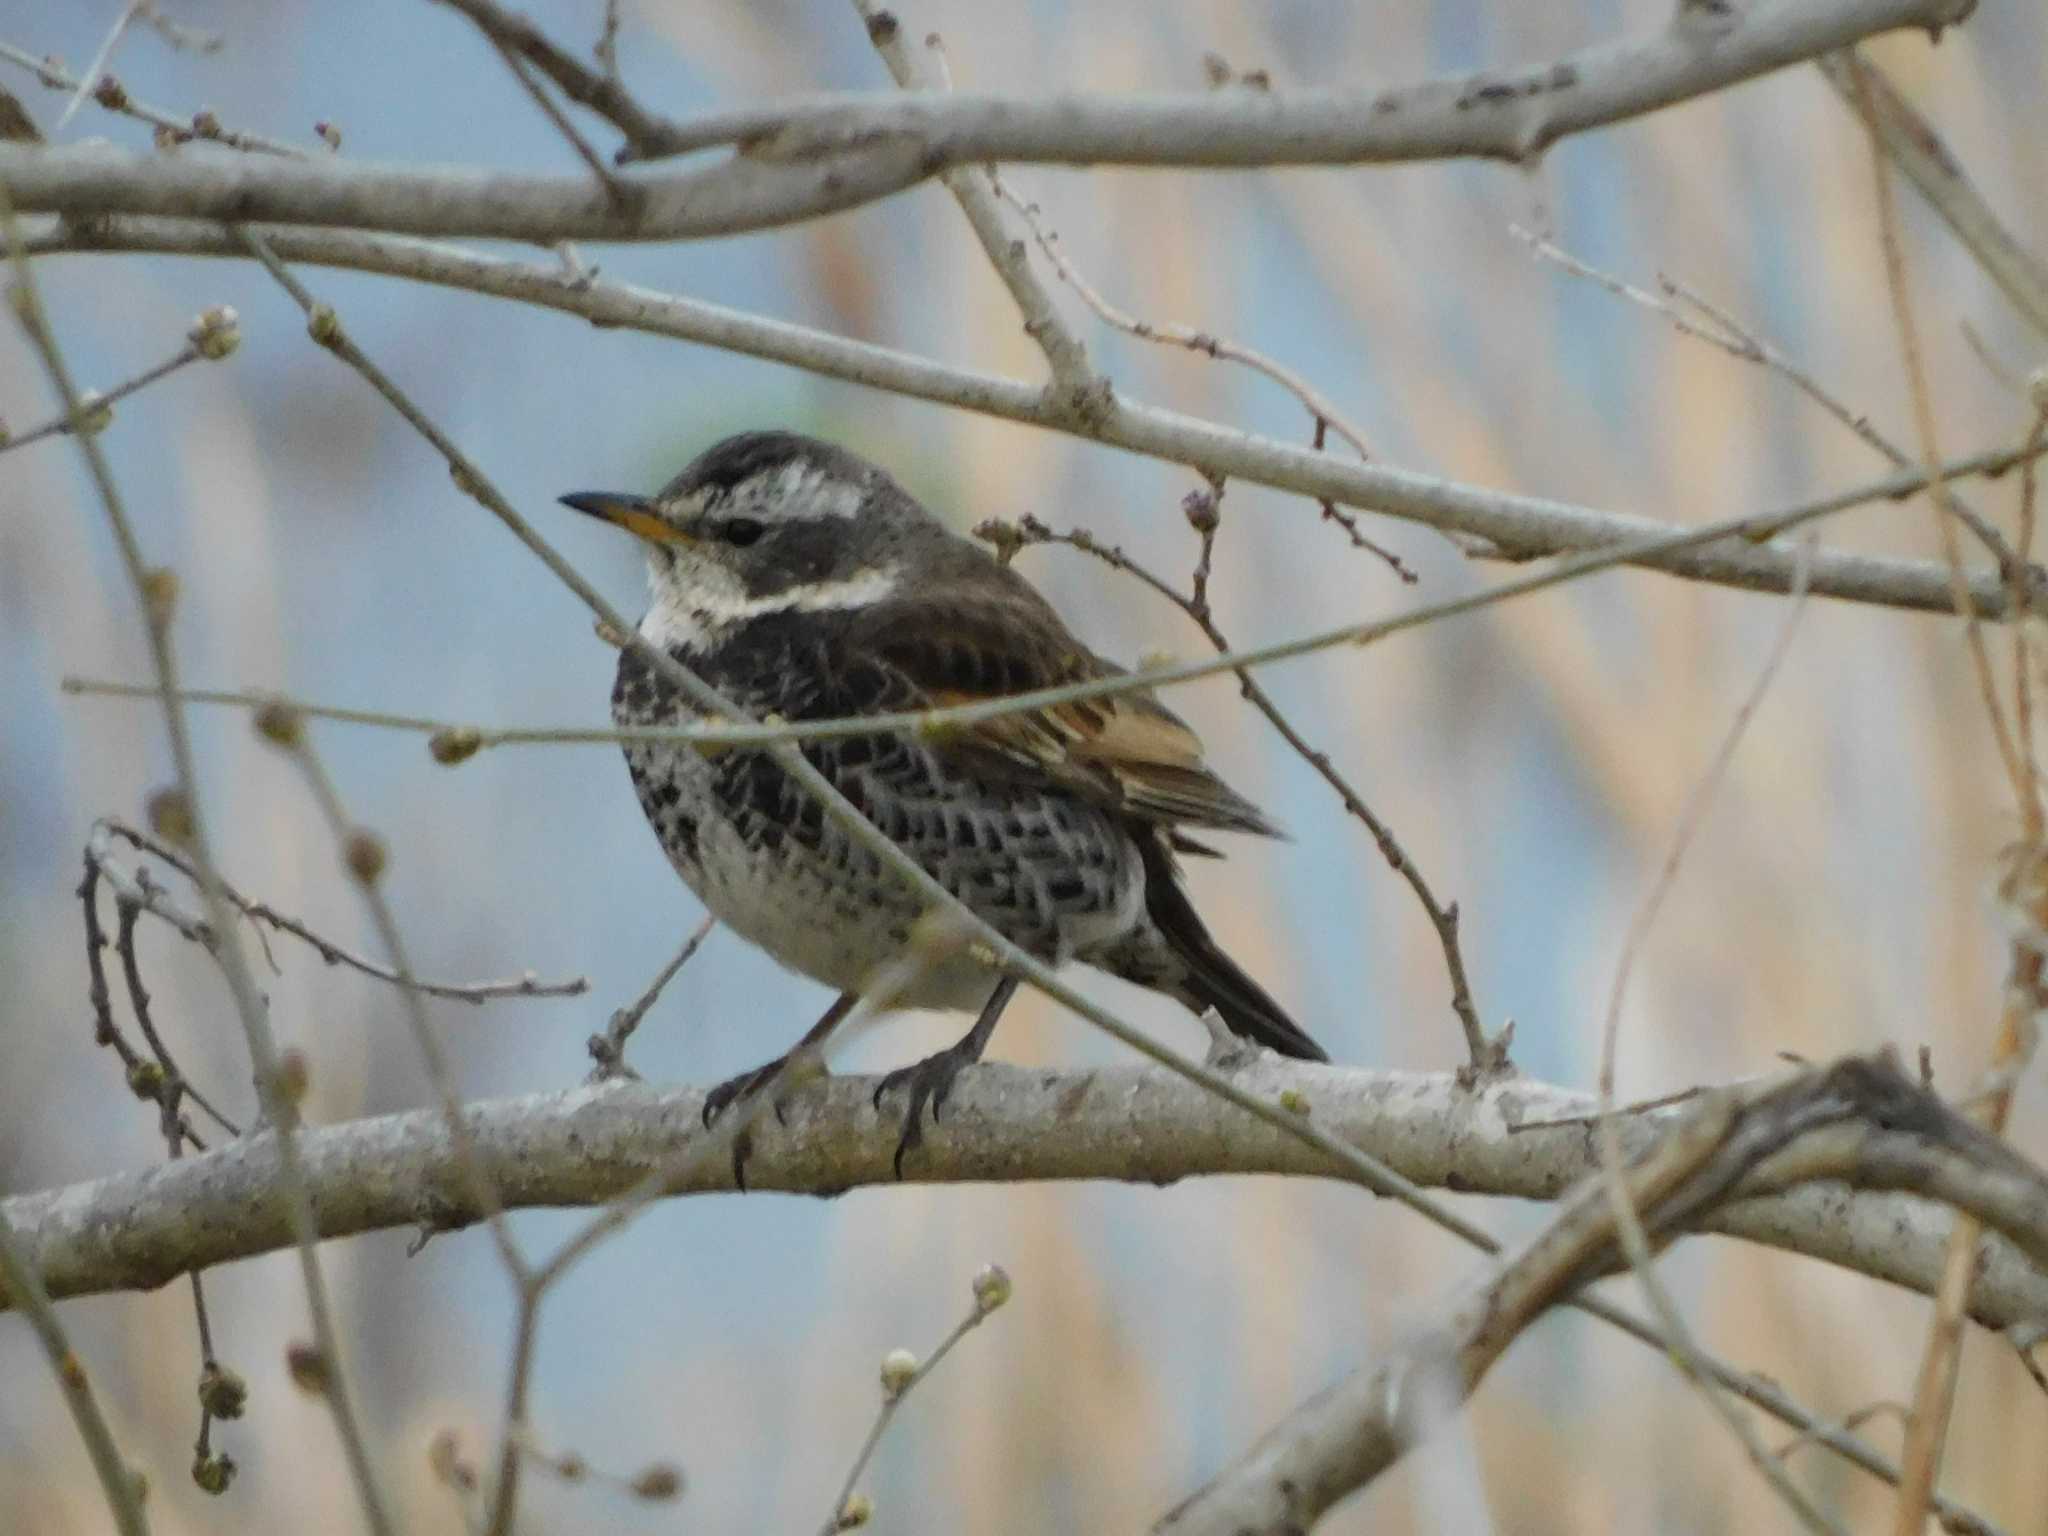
(744,1086)
(930,1082)
(784,1075)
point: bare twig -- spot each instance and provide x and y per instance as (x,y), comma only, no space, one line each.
(1934,1390)
(1221,348)
(1076,387)
(156,592)
(1812,1125)
(97,404)
(602,92)
(797,160)
(261,912)
(901,1372)
(365,857)
(1349,522)
(521,71)
(608,1050)
(462,740)
(170,127)
(1918,151)
(1514,527)
(176,1087)
(1614,1175)
(155,1085)
(727,1143)
(1723,331)
(24,1292)
(99,61)
(1484,1057)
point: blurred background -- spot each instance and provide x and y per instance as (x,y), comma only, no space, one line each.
(1534,759)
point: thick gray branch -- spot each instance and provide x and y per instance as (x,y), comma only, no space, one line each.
(1858,1119)
(798,160)
(1520,526)
(581,1147)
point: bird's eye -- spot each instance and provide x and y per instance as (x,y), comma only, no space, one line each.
(741,531)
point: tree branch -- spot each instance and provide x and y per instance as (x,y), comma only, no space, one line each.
(583,1146)
(1522,527)
(801,159)
(1858,1120)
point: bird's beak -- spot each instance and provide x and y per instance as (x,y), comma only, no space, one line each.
(635,514)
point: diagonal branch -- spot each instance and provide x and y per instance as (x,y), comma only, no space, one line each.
(1521,527)
(1856,1117)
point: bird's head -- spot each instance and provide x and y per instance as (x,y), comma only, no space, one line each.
(768,522)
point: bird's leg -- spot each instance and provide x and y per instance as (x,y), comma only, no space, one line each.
(931,1080)
(747,1084)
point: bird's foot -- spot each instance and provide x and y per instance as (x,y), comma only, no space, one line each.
(930,1082)
(782,1077)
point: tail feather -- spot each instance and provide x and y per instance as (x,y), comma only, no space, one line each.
(1212,978)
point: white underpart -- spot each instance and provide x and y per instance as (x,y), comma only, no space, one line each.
(696,602)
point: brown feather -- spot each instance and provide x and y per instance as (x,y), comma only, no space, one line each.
(1125,751)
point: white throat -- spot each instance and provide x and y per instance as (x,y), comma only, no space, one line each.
(691,613)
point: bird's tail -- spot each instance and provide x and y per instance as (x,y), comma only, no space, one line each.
(1212,979)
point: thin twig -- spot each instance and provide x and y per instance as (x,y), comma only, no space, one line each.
(1684,1351)
(176,1086)
(608,1050)
(25,1293)
(1484,1057)
(97,406)
(260,912)
(1913,145)
(1934,1390)
(1946,516)
(729,731)
(1221,348)
(364,855)
(1353,524)
(155,592)
(614,189)
(1723,331)
(171,128)
(1501,524)
(99,61)
(900,1377)
(144,1083)
(728,1138)
(1076,387)
(602,92)
(606,49)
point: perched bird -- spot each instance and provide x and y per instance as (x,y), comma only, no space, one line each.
(803,582)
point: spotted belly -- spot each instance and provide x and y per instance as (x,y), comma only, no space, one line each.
(1058,877)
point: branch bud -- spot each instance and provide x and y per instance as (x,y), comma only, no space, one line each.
(365,855)
(216,333)
(310,1371)
(280,723)
(660,1481)
(991,1288)
(170,815)
(222,1392)
(899,1370)
(457,744)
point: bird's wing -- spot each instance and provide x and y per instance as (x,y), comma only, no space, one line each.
(1126,751)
